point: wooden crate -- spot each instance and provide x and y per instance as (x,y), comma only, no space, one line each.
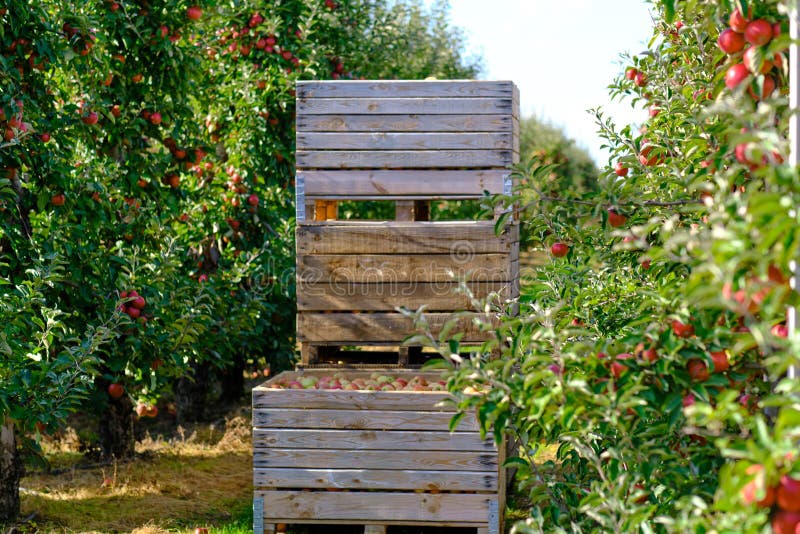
(371,458)
(409,142)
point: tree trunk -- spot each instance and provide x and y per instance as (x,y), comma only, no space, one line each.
(10,473)
(117,439)
(232,381)
(191,392)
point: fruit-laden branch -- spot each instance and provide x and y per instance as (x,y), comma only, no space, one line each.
(646,203)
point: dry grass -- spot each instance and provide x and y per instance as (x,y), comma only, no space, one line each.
(197,478)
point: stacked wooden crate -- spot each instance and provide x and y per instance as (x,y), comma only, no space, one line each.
(389,456)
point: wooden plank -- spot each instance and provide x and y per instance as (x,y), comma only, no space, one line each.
(408,159)
(377,506)
(331,212)
(375,529)
(404,141)
(396,268)
(404,210)
(413,122)
(441,296)
(376,479)
(362,328)
(442,440)
(321,210)
(361,459)
(451,237)
(404,88)
(440,183)
(402,106)
(358,419)
(267,397)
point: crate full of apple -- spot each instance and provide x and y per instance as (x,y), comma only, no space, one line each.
(370,447)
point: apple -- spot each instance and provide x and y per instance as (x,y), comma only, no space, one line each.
(132,312)
(688,400)
(788,494)
(90,118)
(758,32)
(115,110)
(156,364)
(737,21)
(253,200)
(152,411)
(721,362)
(115,390)
(653,111)
(616,219)
(750,60)
(107,482)
(651,355)
(749,492)
(58,199)
(784,522)
(194,13)
(155,118)
(44,137)
(559,250)
(730,41)
(698,370)
(630,73)
(138,302)
(646,159)
(617,368)
(780,330)
(640,80)
(620,169)
(735,75)
(682,330)
(202,278)
(137,78)
(768,88)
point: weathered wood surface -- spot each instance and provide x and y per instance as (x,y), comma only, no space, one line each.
(379,183)
(362,328)
(403,159)
(441,296)
(376,268)
(376,479)
(463,508)
(412,122)
(402,106)
(368,459)
(404,141)
(358,419)
(437,440)
(462,239)
(404,88)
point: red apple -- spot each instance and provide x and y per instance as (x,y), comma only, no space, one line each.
(617,368)
(730,41)
(620,169)
(194,13)
(155,118)
(735,75)
(780,330)
(141,409)
(651,355)
(721,362)
(698,370)
(58,200)
(616,219)
(788,494)
(737,21)
(784,522)
(253,200)
(138,302)
(90,118)
(758,32)
(682,330)
(640,80)
(559,250)
(768,88)
(688,400)
(44,137)
(750,61)
(749,492)
(115,390)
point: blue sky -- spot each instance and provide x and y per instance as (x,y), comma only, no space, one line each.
(561,53)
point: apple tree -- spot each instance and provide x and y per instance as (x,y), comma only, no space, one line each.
(644,377)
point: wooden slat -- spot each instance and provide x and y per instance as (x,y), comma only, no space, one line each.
(266,397)
(403,88)
(401,106)
(404,141)
(390,440)
(412,122)
(361,459)
(387,297)
(459,238)
(440,183)
(356,506)
(375,479)
(403,159)
(358,419)
(355,328)
(393,268)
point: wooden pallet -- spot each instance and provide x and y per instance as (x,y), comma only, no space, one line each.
(408,142)
(373,458)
